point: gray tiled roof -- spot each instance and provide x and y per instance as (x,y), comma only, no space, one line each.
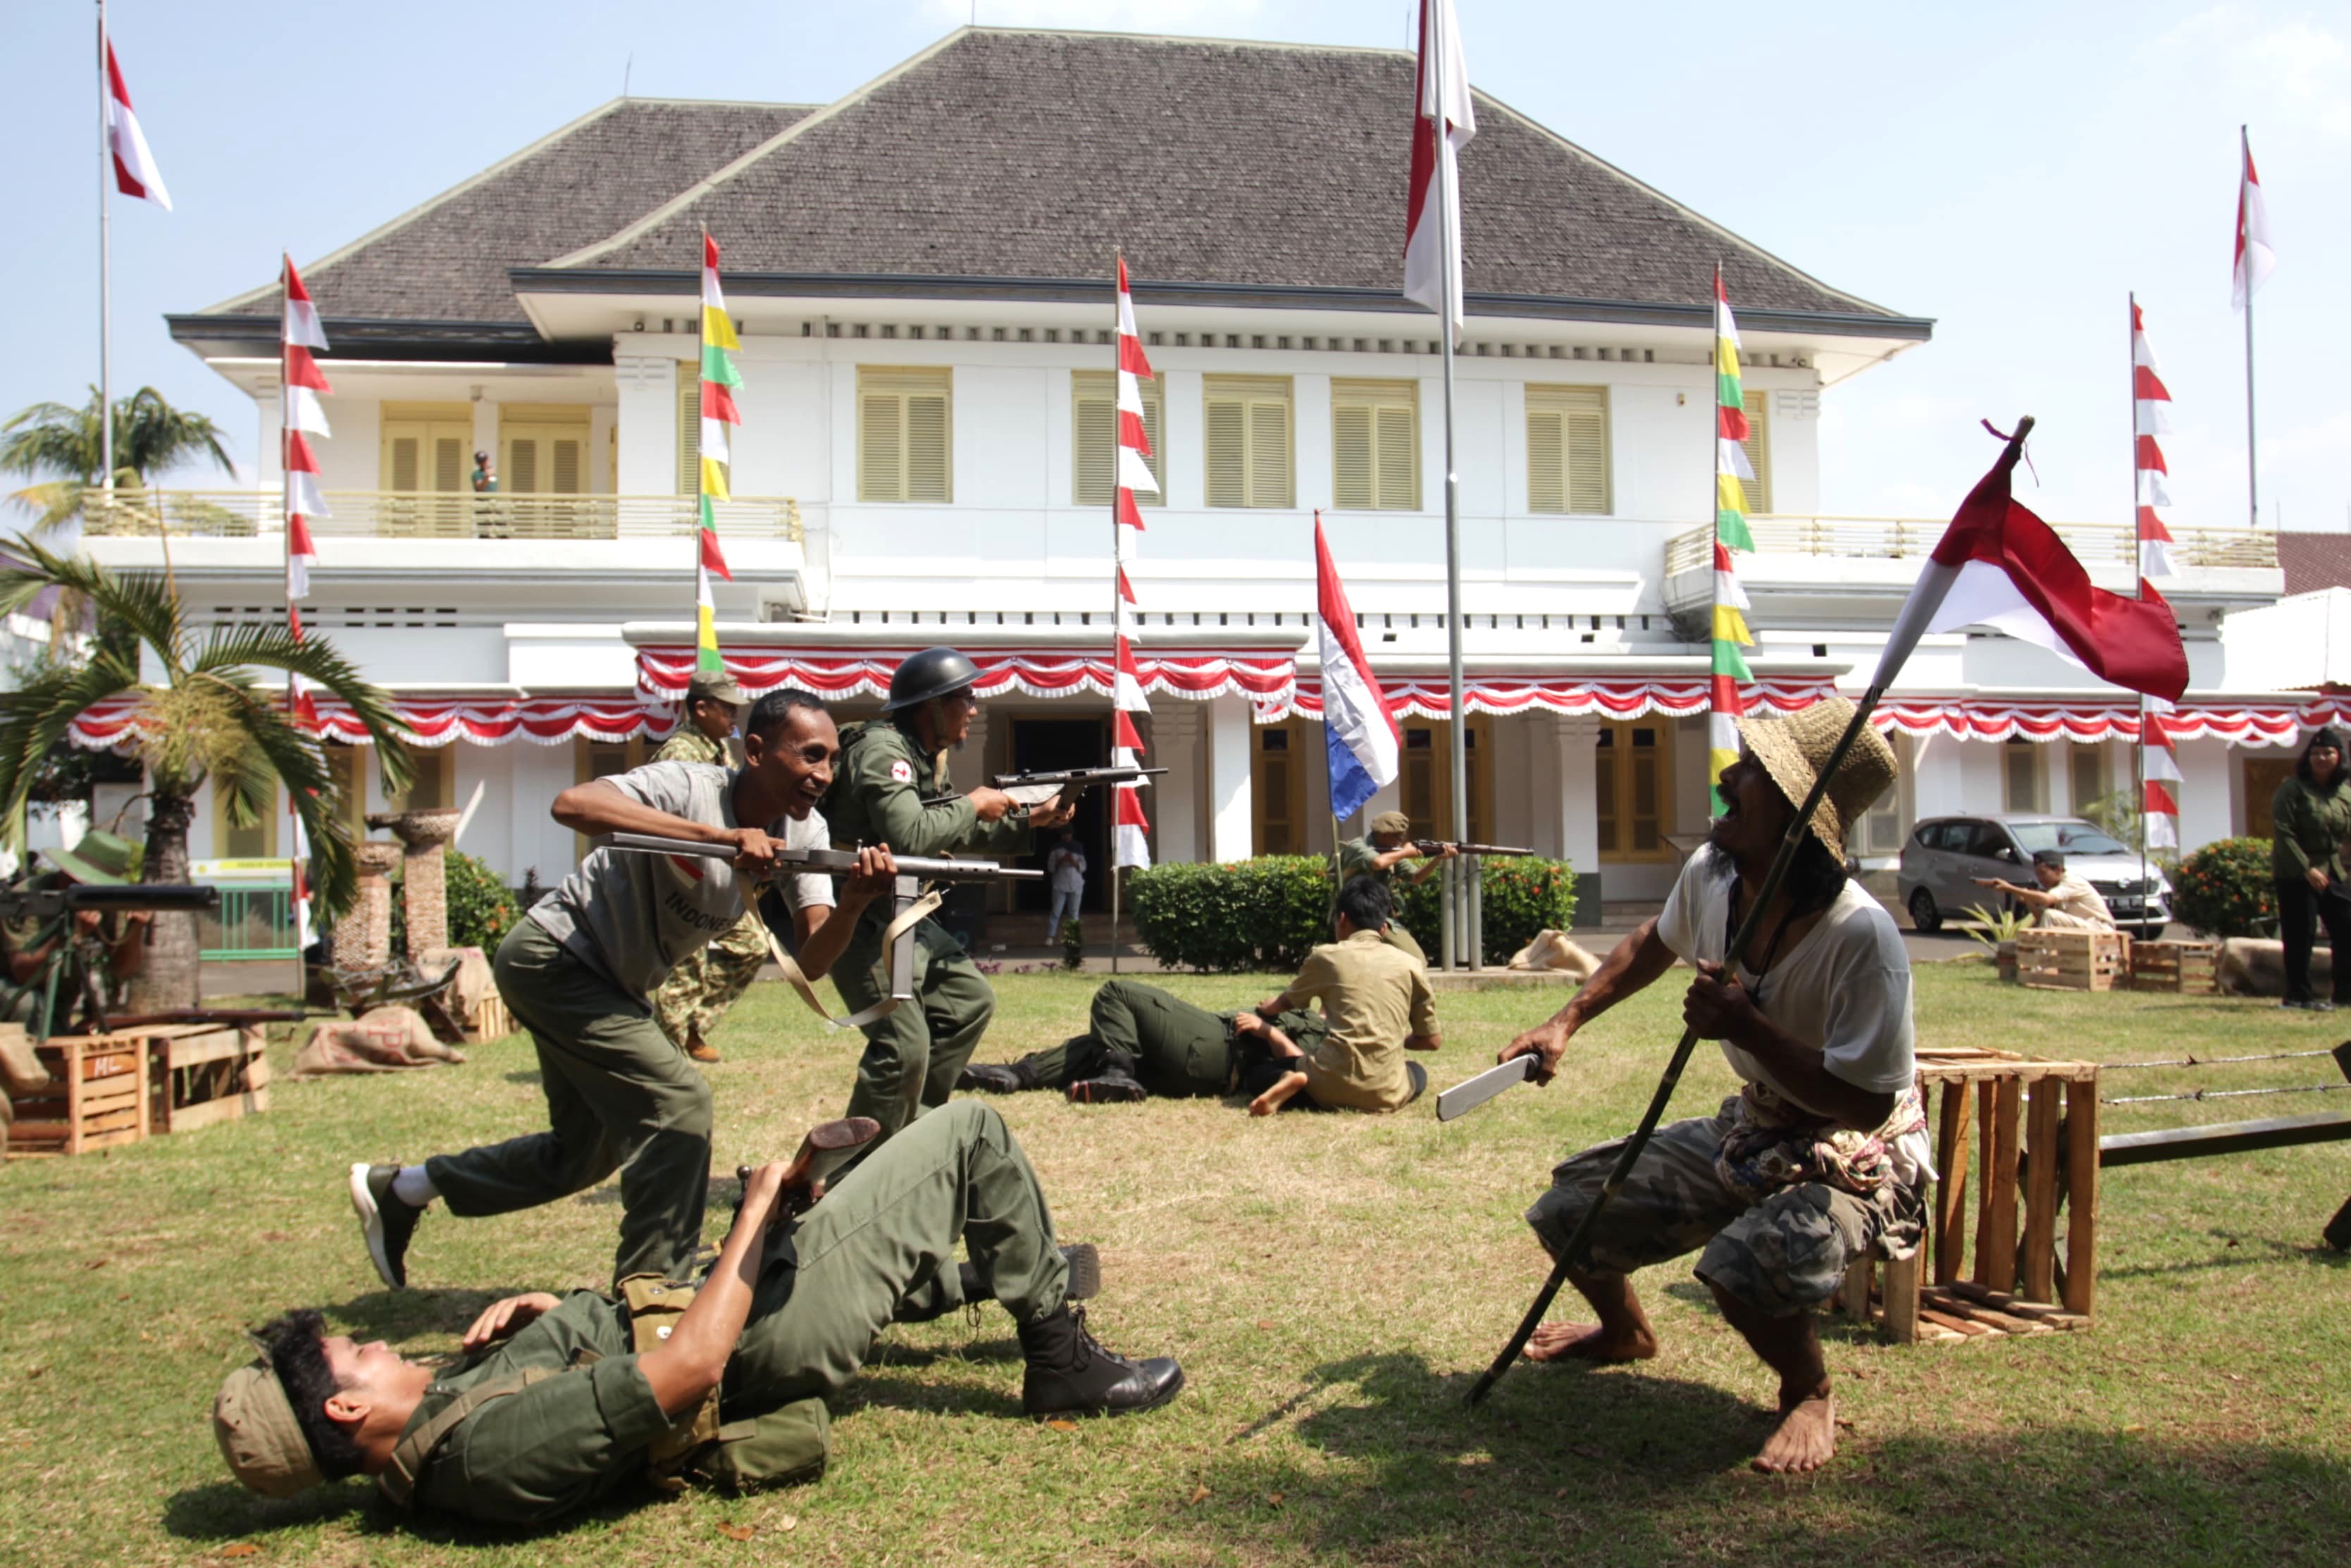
(447,260)
(1031,155)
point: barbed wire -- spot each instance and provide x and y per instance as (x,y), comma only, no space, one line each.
(2211,1061)
(2224,1094)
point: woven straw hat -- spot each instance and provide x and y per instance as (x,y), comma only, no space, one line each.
(1794,749)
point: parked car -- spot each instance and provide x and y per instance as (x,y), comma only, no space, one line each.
(1945,854)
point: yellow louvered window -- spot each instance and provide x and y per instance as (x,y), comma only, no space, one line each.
(1093,438)
(1567,449)
(1248,457)
(1759,453)
(542,447)
(906,435)
(427,446)
(689,427)
(1375,445)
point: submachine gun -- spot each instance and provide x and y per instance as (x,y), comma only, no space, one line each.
(71,969)
(910,903)
(1028,789)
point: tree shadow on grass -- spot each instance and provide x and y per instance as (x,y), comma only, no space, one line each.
(1628,1465)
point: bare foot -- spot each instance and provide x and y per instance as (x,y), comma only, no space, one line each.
(1590,1342)
(1806,1437)
(1275,1098)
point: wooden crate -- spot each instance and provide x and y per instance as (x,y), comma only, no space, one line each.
(2072,960)
(491,1021)
(2035,1153)
(97,1097)
(202,1074)
(2184,967)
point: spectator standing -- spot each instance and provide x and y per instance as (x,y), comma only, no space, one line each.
(1065,869)
(2310,814)
(485,477)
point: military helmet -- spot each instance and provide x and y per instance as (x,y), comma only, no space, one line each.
(933,672)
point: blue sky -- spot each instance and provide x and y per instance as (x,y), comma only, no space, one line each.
(2009,170)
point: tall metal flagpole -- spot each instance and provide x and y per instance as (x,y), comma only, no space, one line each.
(105,275)
(2138,591)
(1116,614)
(2252,450)
(1460,876)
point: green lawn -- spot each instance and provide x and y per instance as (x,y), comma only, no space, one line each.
(1331,1284)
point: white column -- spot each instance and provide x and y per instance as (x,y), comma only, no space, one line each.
(1310,407)
(2057,763)
(1230,834)
(1575,820)
(1175,799)
(2206,803)
(647,386)
(486,433)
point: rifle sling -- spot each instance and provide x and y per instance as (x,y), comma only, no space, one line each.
(912,916)
(398,1482)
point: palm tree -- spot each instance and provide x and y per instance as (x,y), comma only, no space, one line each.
(206,717)
(60,446)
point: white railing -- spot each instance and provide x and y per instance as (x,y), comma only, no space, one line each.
(1912,538)
(413,515)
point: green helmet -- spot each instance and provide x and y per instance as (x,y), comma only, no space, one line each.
(933,672)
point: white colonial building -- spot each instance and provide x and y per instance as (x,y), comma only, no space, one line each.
(921,276)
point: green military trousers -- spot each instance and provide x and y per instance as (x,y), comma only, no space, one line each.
(620,1096)
(880,1249)
(1165,1042)
(913,1056)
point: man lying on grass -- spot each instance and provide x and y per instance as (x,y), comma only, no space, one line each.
(1377,1005)
(1140,1041)
(560,1402)
(1823,1154)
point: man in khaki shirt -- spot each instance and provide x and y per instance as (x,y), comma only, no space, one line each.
(2063,901)
(1377,1005)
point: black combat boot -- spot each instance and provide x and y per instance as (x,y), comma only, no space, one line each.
(996,1077)
(1085,1275)
(1072,1375)
(1110,1089)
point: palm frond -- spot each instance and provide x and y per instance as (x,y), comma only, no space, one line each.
(273,647)
(35,718)
(140,601)
(53,503)
(288,754)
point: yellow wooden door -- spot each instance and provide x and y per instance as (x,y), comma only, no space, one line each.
(427,451)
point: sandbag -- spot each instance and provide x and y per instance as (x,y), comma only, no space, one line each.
(2255,966)
(1552,953)
(383,1039)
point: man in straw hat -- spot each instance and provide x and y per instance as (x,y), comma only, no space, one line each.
(1822,1152)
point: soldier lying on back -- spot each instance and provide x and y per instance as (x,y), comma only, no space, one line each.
(562,1403)
(1143,1041)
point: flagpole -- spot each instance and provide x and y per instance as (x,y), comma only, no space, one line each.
(2138,591)
(2252,459)
(1116,326)
(1459,877)
(106,279)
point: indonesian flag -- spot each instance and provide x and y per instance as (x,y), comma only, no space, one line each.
(2000,566)
(301,382)
(2160,767)
(2151,405)
(134,166)
(1432,269)
(2255,258)
(1359,730)
(1131,845)
(1133,440)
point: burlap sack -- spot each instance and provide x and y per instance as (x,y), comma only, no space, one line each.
(1551,953)
(386,1039)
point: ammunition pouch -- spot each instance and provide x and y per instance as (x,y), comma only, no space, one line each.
(790,1443)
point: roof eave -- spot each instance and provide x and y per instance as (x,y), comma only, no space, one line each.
(514,342)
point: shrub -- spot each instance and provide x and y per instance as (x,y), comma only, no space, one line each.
(1265,913)
(1073,944)
(2224,889)
(482,908)
(1520,897)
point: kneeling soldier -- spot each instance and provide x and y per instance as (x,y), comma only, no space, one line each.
(558,1406)
(1143,1041)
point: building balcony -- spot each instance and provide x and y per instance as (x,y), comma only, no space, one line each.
(1843,558)
(415,514)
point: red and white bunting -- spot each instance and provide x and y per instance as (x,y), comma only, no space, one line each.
(134,166)
(2160,766)
(304,415)
(1130,845)
(2151,406)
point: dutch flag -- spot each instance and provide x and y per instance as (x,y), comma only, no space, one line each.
(1357,728)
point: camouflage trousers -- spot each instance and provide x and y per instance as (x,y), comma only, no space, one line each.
(1784,1255)
(708,981)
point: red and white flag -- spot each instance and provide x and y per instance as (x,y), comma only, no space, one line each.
(134,166)
(2255,258)
(2160,766)
(1130,827)
(2000,566)
(2151,412)
(1443,123)
(302,384)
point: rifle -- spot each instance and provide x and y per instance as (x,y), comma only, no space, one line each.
(1036,788)
(827,1148)
(53,906)
(1431,846)
(909,904)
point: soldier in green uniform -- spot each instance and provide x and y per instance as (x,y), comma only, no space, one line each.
(1143,1041)
(1378,854)
(558,1406)
(50,969)
(709,980)
(914,1054)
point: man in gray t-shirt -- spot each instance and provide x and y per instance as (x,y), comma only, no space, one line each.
(578,971)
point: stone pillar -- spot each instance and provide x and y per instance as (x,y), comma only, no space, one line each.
(363,937)
(423,835)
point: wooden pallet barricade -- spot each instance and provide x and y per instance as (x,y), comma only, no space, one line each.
(97,1097)
(202,1074)
(2036,1151)
(491,1021)
(2072,960)
(2188,967)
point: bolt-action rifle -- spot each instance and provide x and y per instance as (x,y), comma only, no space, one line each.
(910,903)
(1435,846)
(72,974)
